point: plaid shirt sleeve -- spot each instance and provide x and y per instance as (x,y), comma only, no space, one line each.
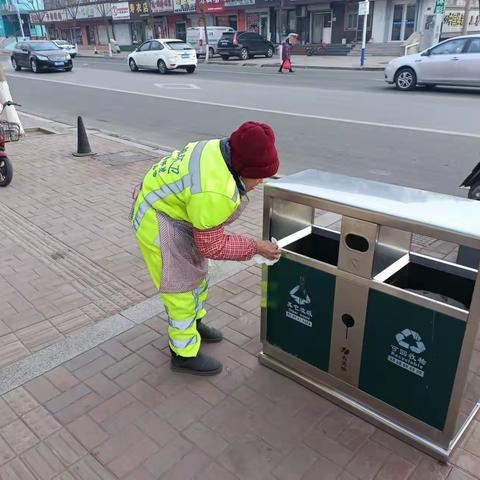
(216,245)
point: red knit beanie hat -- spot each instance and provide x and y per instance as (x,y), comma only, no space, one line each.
(253,151)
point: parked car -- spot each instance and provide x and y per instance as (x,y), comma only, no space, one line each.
(40,55)
(67,47)
(244,45)
(453,62)
(163,54)
(196,38)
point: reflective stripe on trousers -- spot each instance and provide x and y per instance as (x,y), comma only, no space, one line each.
(183,310)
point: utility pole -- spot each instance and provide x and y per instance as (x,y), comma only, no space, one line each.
(466,17)
(364,9)
(202,10)
(19,19)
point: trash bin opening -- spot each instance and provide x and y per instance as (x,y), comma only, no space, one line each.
(357,242)
(321,244)
(434,283)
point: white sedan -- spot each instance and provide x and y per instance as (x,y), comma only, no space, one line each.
(67,47)
(453,62)
(163,55)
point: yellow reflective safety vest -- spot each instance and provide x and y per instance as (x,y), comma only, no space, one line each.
(193,185)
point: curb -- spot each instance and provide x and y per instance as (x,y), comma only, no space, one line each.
(300,67)
(63,128)
(261,65)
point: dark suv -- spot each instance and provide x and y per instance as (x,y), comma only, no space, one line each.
(39,55)
(244,45)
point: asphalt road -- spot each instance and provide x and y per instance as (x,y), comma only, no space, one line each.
(344,121)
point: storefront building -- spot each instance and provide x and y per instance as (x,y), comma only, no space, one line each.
(316,21)
(454,19)
(394,20)
(347,25)
(160,10)
(9,18)
(275,19)
(121,23)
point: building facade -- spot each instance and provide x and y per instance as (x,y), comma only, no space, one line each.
(11,10)
(316,21)
(454,18)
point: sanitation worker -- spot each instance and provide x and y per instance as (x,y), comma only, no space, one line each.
(179,215)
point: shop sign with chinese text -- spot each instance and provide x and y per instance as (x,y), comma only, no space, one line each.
(211,6)
(184,6)
(162,6)
(238,3)
(139,9)
(454,18)
(120,11)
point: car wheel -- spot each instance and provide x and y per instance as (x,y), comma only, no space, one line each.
(474,192)
(191,69)
(34,66)
(269,53)
(211,52)
(225,57)
(132,65)
(405,79)
(15,65)
(69,69)
(162,68)
(244,54)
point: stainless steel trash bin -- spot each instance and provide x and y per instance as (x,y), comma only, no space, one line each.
(360,318)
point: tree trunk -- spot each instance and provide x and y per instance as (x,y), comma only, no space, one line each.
(466,17)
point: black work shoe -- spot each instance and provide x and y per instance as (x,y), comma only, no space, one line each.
(200,365)
(209,334)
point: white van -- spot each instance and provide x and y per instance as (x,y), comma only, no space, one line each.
(196,38)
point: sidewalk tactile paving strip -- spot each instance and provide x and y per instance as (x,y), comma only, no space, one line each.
(82,292)
(70,264)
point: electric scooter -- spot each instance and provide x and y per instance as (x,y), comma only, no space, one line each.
(9,132)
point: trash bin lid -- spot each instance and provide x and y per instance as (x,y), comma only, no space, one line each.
(447,217)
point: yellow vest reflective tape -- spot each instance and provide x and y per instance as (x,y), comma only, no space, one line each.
(192,180)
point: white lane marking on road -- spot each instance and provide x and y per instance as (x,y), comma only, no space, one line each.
(177,86)
(256,109)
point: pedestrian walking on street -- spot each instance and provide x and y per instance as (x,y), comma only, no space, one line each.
(286,53)
(179,215)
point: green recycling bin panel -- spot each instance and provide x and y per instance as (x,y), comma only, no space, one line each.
(300,311)
(410,356)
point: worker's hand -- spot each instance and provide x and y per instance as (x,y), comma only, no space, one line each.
(268,249)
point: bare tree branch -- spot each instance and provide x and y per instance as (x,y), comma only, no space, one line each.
(36,8)
(105,10)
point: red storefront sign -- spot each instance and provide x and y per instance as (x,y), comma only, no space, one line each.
(211,6)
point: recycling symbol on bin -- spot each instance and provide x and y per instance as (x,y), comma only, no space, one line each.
(299,293)
(405,339)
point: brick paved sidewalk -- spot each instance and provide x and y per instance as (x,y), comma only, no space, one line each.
(69,258)
(116,410)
